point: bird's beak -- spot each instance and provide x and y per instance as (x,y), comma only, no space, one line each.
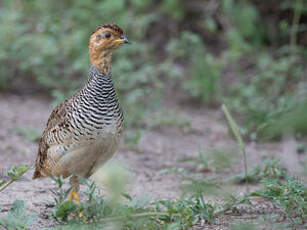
(122,40)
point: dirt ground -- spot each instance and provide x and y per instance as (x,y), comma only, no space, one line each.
(158,149)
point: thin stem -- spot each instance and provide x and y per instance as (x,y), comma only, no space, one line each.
(6,185)
(236,131)
(13,179)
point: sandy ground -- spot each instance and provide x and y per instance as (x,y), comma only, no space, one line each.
(158,149)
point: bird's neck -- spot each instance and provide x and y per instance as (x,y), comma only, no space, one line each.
(98,86)
(102,61)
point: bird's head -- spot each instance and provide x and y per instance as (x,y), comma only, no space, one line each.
(103,41)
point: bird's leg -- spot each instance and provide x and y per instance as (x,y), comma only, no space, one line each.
(73,195)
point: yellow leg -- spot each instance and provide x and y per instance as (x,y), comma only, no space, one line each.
(74,196)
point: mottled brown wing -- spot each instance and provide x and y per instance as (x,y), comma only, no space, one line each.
(56,123)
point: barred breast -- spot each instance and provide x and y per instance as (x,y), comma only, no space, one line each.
(89,133)
(96,111)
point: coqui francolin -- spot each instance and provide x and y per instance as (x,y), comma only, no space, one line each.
(82,133)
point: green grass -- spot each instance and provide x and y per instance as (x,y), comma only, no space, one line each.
(122,211)
(190,209)
(289,194)
(135,213)
(268,168)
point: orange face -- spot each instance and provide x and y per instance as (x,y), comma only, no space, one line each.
(106,38)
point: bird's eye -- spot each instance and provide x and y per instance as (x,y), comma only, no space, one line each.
(107,35)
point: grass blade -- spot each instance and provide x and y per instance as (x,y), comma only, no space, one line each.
(236,131)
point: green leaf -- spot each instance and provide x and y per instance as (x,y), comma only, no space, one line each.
(127,196)
(18,208)
(3,182)
(65,209)
(15,218)
(17,171)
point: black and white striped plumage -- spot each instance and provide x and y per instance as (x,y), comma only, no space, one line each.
(83,132)
(95,109)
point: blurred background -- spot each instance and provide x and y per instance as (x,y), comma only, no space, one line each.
(187,58)
(248,54)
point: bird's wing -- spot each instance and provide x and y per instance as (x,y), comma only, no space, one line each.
(56,133)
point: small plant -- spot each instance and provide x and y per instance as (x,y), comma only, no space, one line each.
(269,168)
(187,212)
(16,218)
(232,201)
(63,208)
(14,173)
(290,195)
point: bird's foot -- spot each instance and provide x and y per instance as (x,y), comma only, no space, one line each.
(74,197)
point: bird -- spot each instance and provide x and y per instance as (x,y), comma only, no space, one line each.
(83,132)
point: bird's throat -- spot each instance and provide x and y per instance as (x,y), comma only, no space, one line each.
(102,61)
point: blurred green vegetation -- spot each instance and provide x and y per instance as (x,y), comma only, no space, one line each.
(249,54)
